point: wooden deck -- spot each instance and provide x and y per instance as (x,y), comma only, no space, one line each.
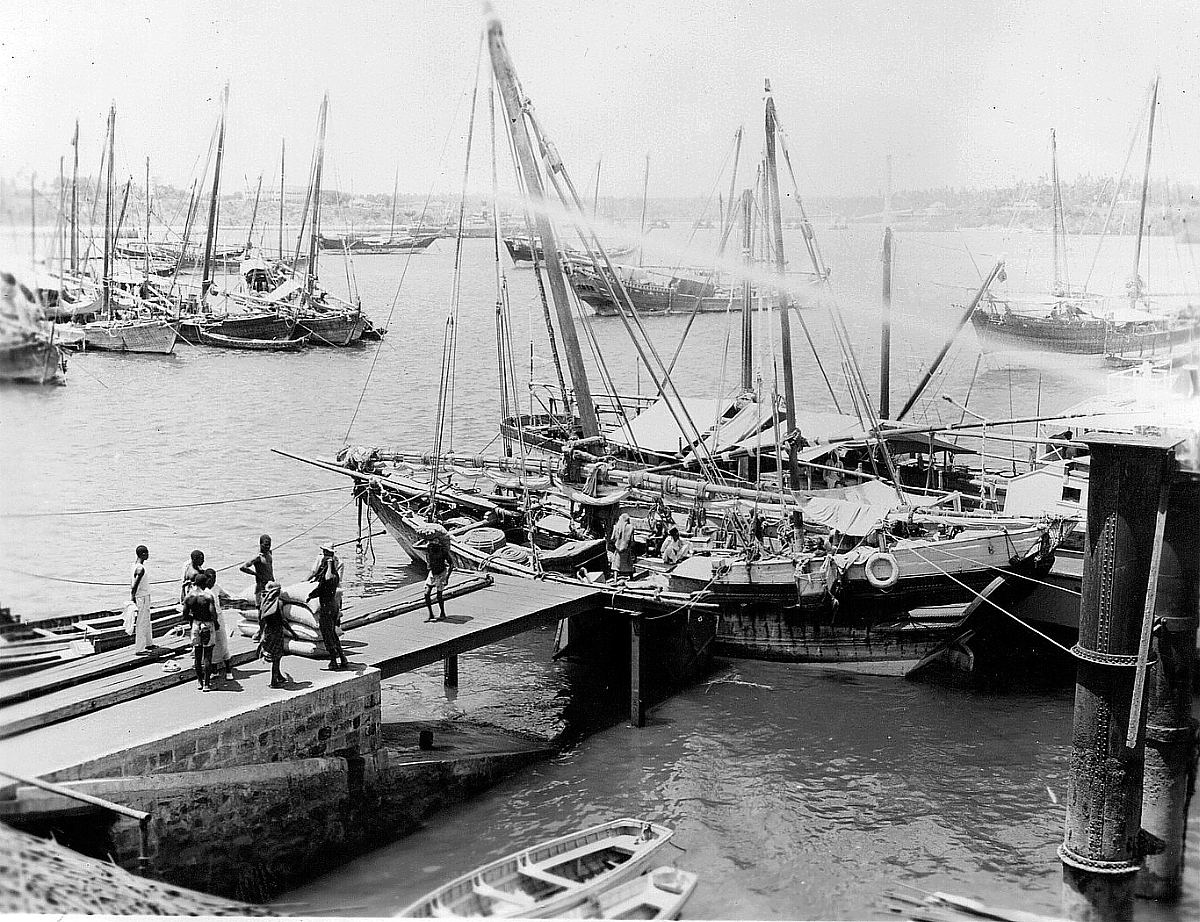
(386,631)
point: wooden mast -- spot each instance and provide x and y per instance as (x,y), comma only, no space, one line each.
(642,227)
(206,274)
(147,218)
(1135,288)
(514,108)
(747,291)
(33,222)
(596,191)
(75,202)
(106,284)
(282,164)
(727,221)
(314,237)
(254,212)
(1056,209)
(395,192)
(785,327)
(885,333)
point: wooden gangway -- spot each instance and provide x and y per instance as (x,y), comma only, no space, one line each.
(386,631)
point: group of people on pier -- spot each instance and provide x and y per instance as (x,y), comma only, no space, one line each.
(201,609)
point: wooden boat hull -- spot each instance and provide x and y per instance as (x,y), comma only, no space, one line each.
(152,337)
(259,325)
(368,246)
(1080,337)
(33,361)
(406,529)
(252,345)
(333,329)
(549,879)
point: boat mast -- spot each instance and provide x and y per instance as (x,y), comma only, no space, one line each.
(147,218)
(395,192)
(785,327)
(107,264)
(254,212)
(60,236)
(747,291)
(206,274)
(885,334)
(596,191)
(1056,208)
(314,238)
(75,202)
(645,189)
(33,222)
(282,160)
(728,221)
(1135,285)
(514,108)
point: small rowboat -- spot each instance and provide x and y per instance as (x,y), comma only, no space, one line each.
(253,345)
(548,879)
(660,894)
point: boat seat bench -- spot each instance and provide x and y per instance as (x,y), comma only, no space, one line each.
(522,900)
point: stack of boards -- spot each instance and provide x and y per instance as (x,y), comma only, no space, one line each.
(300,613)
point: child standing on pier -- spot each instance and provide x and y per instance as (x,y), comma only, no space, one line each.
(198,608)
(139,593)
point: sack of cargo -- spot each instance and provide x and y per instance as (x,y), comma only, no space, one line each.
(303,632)
(298,614)
(306,648)
(297,594)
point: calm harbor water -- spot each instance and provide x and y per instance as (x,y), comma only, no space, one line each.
(795,794)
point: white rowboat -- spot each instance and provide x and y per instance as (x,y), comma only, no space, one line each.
(548,879)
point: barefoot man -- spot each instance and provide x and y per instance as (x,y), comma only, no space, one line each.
(437,556)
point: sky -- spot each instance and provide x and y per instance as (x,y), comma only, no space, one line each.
(957,93)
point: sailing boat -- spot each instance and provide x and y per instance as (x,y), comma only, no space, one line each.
(326,319)
(130,326)
(28,354)
(1073,320)
(235,324)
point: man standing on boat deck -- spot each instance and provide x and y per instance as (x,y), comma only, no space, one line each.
(262,567)
(327,574)
(622,546)
(437,556)
(139,594)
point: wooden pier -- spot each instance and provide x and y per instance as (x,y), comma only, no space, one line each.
(69,714)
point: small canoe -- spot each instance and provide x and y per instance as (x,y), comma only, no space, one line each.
(253,345)
(547,880)
(659,894)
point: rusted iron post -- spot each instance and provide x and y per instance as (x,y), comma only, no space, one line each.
(1170,733)
(1100,852)
(637,710)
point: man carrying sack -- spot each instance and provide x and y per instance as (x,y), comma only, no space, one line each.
(327,574)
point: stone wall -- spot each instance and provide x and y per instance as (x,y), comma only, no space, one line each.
(252,831)
(341,718)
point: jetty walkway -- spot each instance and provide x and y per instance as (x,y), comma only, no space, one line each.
(109,702)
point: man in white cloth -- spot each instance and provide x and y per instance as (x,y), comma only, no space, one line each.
(674,548)
(139,592)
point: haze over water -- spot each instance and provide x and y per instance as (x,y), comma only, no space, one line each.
(798,795)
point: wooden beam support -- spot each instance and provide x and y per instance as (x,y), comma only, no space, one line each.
(450,671)
(637,709)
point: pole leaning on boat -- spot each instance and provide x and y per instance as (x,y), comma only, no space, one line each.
(514,109)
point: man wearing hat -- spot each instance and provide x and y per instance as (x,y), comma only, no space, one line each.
(327,574)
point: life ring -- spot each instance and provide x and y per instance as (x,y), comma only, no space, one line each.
(882,561)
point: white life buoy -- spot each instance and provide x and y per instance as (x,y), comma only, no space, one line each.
(882,570)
